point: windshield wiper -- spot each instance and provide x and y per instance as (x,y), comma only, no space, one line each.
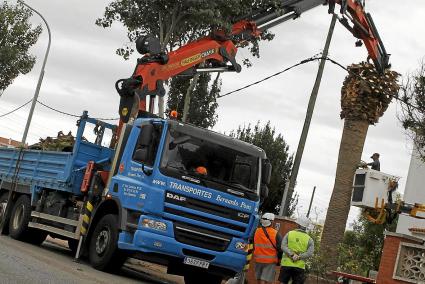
(232,184)
(246,191)
(188,177)
(240,186)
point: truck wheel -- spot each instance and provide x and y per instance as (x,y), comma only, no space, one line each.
(3,204)
(19,218)
(104,254)
(35,236)
(191,277)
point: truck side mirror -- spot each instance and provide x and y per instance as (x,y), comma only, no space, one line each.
(266,172)
(145,139)
(264,193)
(141,153)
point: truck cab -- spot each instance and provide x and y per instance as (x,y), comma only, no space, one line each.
(188,195)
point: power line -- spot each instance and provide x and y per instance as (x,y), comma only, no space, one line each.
(70,114)
(59,111)
(315,58)
(53,109)
(16,109)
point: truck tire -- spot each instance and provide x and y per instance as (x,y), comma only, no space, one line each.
(3,204)
(191,277)
(18,223)
(35,236)
(104,254)
(19,218)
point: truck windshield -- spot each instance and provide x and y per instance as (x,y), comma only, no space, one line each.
(209,161)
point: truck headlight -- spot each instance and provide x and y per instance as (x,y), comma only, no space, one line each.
(153,224)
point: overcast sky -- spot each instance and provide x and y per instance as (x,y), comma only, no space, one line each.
(82,69)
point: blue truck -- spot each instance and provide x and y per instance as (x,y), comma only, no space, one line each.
(164,191)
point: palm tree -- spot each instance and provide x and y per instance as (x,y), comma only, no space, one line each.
(365,96)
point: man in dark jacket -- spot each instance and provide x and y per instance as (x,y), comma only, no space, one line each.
(375,165)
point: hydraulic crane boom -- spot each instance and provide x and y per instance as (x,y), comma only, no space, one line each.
(362,28)
(217,51)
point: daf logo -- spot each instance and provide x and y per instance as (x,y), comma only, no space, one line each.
(176,197)
(243,215)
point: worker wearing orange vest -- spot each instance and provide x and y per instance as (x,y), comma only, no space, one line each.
(266,243)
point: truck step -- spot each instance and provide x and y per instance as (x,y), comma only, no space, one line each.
(54,218)
(55,230)
(73,235)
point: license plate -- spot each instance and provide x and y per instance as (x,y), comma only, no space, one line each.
(196,262)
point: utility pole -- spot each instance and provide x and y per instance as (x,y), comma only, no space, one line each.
(40,78)
(188,96)
(289,187)
(311,202)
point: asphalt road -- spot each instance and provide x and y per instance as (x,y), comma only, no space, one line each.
(25,263)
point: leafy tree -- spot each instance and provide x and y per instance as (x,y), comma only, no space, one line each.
(278,153)
(176,23)
(17,35)
(365,96)
(413,108)
(361,248)
(316,264)
(204,99)
(359,252)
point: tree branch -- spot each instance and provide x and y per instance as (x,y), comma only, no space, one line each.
(174,18)
(161,31)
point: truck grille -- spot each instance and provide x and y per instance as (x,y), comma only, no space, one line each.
(200,237)
(204,219)
(206,207)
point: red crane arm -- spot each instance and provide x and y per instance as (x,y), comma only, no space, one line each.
(217,52)
(182,61)
(364,29)
(151,72)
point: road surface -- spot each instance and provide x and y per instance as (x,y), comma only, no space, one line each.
(51,263)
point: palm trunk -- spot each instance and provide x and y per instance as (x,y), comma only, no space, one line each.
(350,151)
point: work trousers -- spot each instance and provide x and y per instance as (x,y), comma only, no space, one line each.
(296,274)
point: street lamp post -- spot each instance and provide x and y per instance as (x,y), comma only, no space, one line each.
(40,78)
(8,209)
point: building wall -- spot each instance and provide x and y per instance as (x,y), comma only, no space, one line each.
(413,193)
(389,257)
(7,142)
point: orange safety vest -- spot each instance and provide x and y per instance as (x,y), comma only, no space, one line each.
(264,251)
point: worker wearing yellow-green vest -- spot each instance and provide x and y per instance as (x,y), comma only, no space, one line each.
(297,247)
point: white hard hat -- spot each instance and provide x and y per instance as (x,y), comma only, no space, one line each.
(303,222)
(266,219)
